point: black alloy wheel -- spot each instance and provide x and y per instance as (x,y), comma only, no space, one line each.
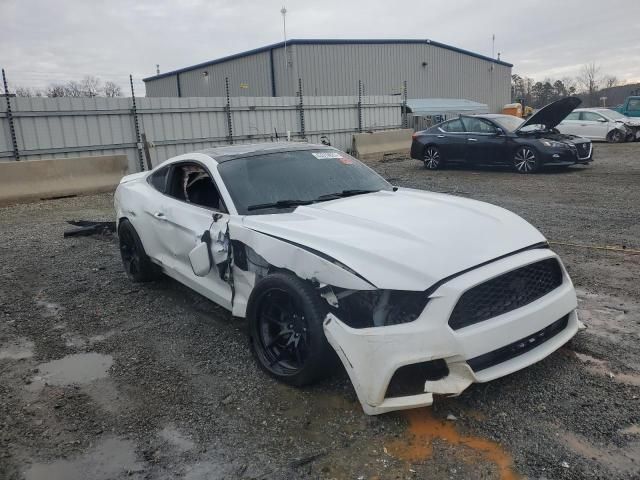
(137,264)
(285,316)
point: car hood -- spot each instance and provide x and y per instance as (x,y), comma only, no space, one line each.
(404,240)
(551,115)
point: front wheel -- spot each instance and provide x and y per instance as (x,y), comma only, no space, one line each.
(525,160)
(432,158)
(285,316)
(615,136)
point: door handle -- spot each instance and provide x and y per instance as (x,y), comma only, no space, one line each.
(159,216)
(441,136)
(472,139)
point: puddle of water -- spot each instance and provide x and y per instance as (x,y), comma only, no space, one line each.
(74,369)
(606,316)
(178,440)
(49,309)
(601,367)
(614,458)
(424,429)
(111,458)
(18,349)
(78,341)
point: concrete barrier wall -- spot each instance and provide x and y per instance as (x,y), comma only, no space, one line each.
(33,180)
(374,146)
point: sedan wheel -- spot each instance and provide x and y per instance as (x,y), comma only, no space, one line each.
(615,136)
(432,159)
(525,160)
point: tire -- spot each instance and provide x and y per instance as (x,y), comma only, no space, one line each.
(432,158)
(285,316)
(136,262)
(615,136)
(525,160)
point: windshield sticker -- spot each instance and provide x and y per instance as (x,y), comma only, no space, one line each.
(325,155)
(345,160)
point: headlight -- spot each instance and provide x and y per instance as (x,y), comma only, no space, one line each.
(551,143)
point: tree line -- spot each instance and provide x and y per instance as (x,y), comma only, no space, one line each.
(587,84)
(89,86)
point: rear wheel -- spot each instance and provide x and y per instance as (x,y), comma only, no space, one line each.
(135,260)
(285,316)
(615,136)
(525,160)
(432,158)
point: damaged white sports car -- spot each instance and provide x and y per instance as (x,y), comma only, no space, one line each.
(418,293)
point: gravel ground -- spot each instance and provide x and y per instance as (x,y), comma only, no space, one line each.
(104,379)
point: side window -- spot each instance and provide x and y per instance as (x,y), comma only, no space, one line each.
(478,125)
(159,179)
(191,183)
(453,126)
(634,105)
(573,116)
(592,117)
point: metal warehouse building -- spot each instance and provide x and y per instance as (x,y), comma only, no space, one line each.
(334,67)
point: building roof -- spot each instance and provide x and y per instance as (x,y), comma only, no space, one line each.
(441,106)
(330,42)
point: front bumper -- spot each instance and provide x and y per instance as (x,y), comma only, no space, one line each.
(566,156)
(371,356)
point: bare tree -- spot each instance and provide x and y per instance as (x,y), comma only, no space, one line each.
(590,80)
(55,90)
(111,89)
(610,81)
(73,89)
(90,86)
(24,92)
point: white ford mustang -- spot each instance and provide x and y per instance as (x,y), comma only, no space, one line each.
(418,293)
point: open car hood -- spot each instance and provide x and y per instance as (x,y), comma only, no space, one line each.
(551,115)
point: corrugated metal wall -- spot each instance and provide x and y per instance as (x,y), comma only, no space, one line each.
(68,127)
(334,69)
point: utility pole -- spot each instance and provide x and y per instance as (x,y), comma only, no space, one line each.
(283,11)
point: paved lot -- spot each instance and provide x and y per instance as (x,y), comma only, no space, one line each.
(102,379)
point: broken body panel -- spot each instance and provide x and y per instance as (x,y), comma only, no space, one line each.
(374,251)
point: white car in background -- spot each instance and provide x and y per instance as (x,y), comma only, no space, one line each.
(600,124)
(418,293)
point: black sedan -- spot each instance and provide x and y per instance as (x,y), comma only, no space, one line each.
(494,139)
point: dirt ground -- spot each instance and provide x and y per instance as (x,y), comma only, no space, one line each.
(103,379)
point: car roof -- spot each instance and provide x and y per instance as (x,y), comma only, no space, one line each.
(232,152)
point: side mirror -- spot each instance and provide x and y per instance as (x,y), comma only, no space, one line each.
(603,120)
(200,259)
(499,132)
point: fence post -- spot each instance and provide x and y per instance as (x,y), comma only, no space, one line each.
(12,128)
(359,106)
(227,109)
(404,105)
(301,110)
(134,112)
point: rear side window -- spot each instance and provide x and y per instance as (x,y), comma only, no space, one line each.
(453,126)
(592,117)
(159,179)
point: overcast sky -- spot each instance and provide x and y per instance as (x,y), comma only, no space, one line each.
(45,41)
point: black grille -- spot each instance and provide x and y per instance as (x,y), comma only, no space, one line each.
(409,379)
(507,292)
(583,149)
(518,348)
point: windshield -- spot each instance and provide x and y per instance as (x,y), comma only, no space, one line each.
(612,114)
(508,122)
(256,184)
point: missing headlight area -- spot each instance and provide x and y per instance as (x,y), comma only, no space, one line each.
(376,308)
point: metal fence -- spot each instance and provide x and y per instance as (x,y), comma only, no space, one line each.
(67,127)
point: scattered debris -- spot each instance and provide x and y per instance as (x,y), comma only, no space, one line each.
(87,227)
